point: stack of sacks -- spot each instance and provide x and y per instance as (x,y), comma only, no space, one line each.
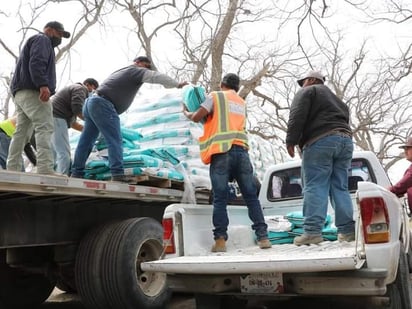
(262,154)
(283,229)
(159,140)
(168,135)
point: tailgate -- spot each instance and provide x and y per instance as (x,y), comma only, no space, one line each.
(287,258)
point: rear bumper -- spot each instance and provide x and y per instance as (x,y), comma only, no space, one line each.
(363,282)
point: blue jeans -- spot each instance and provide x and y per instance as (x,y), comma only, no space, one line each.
(234,164)
(100,116)
(4,148)
(61,146)
(325,165)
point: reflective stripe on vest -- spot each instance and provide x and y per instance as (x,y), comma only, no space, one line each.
(224,128)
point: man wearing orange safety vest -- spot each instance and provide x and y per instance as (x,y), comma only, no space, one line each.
(225,147)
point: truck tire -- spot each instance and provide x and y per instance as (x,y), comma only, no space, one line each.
(126,286)
(107,270)
(20,289)
(399,292)
(409,255)
(87,268)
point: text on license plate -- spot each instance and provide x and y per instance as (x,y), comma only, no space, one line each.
(262,283)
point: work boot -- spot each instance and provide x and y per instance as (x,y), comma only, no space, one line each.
(220,245)
(346,237)
(124,178)
(307,239)
(264,243)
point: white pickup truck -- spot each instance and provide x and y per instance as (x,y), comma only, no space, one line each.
(374,266)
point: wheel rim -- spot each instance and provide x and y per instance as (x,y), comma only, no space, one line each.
(151,283)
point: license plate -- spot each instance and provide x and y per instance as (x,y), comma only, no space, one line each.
(262,283)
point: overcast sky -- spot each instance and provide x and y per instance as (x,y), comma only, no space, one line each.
(99,53)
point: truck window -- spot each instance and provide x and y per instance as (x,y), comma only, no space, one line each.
(287,184)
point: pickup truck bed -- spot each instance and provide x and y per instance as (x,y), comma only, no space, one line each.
(330,255)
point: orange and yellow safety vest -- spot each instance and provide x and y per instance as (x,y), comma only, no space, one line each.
(225,126)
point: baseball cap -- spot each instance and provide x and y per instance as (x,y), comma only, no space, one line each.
(312,74)
(59,27)
(231,80)
(408,143)
(143,59)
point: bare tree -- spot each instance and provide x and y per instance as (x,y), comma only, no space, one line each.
(92,13)
(247,38)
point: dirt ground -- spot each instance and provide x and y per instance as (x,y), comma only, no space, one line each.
(60,300)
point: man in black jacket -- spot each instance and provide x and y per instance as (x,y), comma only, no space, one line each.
(319,125)
(34,81)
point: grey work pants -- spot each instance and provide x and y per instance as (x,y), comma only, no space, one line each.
(32,113)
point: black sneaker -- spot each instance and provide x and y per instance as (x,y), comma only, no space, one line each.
(124,178)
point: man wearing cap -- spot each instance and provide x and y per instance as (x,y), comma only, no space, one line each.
(319,125)
(67,107)
(224,145)
(34,81)
(101,114)
(405,184)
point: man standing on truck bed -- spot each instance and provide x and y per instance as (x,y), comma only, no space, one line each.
(319,125)
(101,114)
(224,145)
(67,107)
(34,81)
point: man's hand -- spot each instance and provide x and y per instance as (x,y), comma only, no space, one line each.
(44,94)
(77,126)
(186,112)
(291,150)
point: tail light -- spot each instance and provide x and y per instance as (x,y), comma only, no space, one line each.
(168,241)
(375,220)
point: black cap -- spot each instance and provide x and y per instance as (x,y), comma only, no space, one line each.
(143,59)
(59,27)
(232,81)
